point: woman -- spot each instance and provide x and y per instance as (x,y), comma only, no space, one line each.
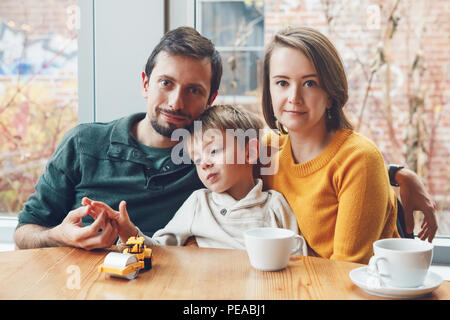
(334,178)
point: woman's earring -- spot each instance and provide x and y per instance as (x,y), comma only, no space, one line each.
(328,114)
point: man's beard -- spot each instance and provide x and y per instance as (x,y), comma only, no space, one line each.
(162,130)
(167,129)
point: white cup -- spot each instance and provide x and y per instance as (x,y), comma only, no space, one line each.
(401,262)
(269,249)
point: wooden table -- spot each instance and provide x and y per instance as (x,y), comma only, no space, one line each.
(177,273)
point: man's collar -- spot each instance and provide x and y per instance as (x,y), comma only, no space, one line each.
(124,146)
(121,131)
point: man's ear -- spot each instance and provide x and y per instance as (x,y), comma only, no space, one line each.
(252,151)
(213,97)
(144,88)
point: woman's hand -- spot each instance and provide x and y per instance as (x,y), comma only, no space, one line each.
(414,196)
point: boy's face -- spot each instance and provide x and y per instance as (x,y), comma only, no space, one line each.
(220,160)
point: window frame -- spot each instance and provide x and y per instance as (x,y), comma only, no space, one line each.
(240,99)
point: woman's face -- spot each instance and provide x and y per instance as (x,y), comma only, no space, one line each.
(298,100)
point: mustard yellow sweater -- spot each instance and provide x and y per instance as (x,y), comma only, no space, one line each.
(342,199)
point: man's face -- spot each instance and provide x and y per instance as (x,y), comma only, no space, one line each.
(177,91)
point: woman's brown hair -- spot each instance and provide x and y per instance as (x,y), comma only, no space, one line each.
(330,70)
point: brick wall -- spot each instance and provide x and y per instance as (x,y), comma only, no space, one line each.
(38,17)
(43,31)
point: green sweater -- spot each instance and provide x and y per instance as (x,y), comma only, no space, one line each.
(104,162)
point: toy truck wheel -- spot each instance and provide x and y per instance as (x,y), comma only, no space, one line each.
(147,263)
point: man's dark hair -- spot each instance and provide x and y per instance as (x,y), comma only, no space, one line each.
(187,41)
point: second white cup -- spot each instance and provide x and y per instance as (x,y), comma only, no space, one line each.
(402,262)
(269,249)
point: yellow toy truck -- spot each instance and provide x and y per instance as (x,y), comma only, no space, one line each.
(128,263)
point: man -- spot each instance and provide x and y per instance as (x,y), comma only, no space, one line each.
(130,158)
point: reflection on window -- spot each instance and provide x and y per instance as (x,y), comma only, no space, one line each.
(38,90)
(237,30)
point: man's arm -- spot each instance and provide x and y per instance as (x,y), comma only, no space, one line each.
(48,219)
(69,233)
(30,236)
(414,196)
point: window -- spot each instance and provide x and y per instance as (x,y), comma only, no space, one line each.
(396,60)
(38,91)
(237,30)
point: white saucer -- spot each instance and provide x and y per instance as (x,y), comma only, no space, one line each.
(360,277)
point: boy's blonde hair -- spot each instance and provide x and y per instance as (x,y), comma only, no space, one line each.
(226,116)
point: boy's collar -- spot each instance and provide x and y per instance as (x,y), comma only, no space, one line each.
(254,197)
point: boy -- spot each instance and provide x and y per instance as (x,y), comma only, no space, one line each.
(234,200)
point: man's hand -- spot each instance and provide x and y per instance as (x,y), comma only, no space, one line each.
(125,227)
(70,232)
(415,197)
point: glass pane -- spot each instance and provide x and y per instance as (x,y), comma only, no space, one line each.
(240,72)
(38,90)
(233,23)
(237,30)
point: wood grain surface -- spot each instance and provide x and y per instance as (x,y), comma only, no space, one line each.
(178,273)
